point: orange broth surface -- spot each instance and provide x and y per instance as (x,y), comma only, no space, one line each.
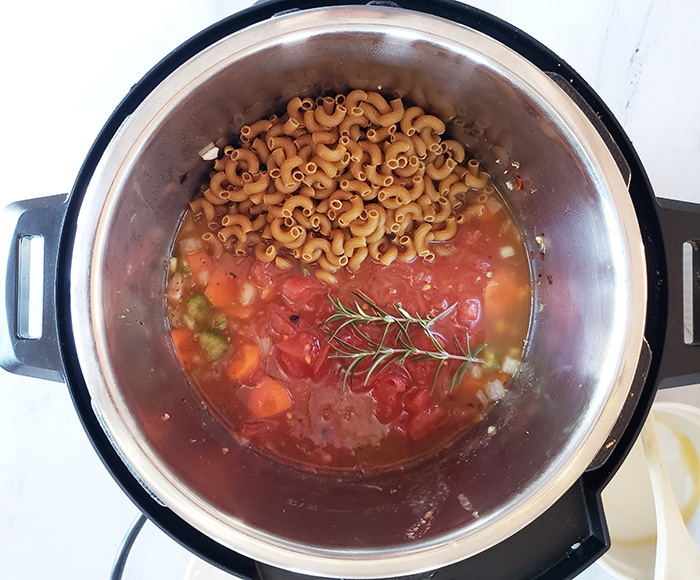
(273,378)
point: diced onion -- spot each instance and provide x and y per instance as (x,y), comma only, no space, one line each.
(505,226)
(507,251)
(248,294)
(175,287)
(191,245)
(493,205)
(265,346)
(509,365)
(483,399)
(495,390)
(209,153)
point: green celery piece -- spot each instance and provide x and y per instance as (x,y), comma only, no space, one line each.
(199,307)
(213,343)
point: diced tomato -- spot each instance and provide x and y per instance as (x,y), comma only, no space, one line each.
(280,320)
(417,400)
(186,346)
(388,405)
(201,265)
(468,312)
(260,276)
(426,422)
(222,290)
(303,292)
(301,355)
(268,398)
(393,381)
(388,391)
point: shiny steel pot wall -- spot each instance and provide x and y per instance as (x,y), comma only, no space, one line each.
(589,295)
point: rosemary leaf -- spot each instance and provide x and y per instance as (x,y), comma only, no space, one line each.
(437,374)
(380,354)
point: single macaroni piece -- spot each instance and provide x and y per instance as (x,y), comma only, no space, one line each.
(338,179)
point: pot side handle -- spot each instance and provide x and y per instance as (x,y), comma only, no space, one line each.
(680,230)
(29,344)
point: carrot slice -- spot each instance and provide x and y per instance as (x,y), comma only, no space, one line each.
(185,346)
(502,293)
(222,290)
(268,398)
(245,363)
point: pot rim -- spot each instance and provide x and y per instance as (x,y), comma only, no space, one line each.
(90,344)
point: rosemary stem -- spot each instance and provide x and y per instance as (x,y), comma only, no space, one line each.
(378,353)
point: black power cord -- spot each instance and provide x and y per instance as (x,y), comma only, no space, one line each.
(125,548)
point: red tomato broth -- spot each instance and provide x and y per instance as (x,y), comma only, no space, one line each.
(399,415)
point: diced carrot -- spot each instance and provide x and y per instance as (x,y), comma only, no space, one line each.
(269,292)
(469,386)
(222,290)
(240,312)
(268,398)
(245,363)
(502,293)
(185,346)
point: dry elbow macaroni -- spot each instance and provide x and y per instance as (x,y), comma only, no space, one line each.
(337,180)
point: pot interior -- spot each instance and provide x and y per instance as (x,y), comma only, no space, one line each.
(586,265)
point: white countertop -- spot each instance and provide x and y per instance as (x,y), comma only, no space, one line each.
(68,64)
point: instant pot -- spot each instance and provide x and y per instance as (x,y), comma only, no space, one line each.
(516,497)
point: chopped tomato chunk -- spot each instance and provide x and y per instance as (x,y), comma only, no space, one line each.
(301,355)
(281,320)
(388,391)
(468,312)
(303,292)
(417,400)
(425,422)
(260,276)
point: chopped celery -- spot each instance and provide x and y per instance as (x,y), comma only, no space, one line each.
(220,321)
(213,343)
(490,359)
(184,266)
(199,307)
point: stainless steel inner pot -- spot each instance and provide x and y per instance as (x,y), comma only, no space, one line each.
(588,274)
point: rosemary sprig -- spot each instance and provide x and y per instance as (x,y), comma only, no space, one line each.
(382,355)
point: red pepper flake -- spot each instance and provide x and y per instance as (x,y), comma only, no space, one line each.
(518,183)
